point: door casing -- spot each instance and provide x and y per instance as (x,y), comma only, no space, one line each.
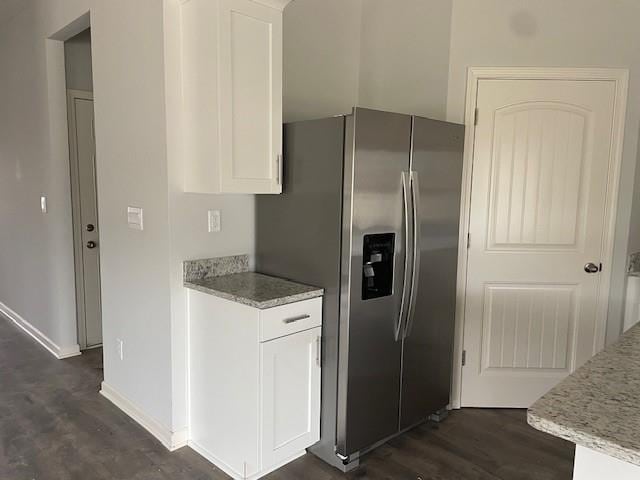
(621,79)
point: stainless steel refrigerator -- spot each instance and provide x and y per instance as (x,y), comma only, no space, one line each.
(370,211)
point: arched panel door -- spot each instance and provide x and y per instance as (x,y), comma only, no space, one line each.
(539,189)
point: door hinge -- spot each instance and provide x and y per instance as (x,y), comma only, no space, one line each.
(468,240)
(464,357)
(475,117)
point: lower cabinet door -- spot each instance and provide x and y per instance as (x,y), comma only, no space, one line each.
(290,395)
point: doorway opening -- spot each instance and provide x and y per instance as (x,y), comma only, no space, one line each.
(84,201)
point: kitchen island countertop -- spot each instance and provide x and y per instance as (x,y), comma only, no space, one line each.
(598,406)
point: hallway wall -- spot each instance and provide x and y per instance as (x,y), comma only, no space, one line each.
(36,258)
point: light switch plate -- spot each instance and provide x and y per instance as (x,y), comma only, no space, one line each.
(214,221)
(134,218)
(43,204)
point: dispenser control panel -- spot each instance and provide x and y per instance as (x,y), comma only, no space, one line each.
(377,265)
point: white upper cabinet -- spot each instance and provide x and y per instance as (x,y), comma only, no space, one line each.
(232,95)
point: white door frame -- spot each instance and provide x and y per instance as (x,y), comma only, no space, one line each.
(621,79)
(78,244)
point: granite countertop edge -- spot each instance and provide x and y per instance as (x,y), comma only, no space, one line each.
(583,439)
(259,304)
(596,406)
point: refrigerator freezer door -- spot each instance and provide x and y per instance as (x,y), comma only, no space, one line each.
(376,155)
(428,333)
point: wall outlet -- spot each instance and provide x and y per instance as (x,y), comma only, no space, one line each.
(120,348)
(213,217)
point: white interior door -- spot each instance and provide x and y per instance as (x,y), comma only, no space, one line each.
(85,218)
(539,189)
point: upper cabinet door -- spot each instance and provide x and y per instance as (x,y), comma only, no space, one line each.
(250,81)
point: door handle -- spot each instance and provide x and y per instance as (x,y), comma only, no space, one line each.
(91,244)
(592,268)
(407,256)
(415,264)
(295,319)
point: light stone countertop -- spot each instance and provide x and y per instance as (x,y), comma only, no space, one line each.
(255,289)
(634,264)
(598,406)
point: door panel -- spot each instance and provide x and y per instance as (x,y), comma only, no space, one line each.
(290,395)
(528,327)
(86,226)
(370,355)
(251,113)
(537,177)
(540,172)
(428,344)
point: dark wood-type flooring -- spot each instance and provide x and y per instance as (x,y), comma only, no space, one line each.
(55,426)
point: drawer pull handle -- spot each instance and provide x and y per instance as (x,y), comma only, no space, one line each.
(296,319)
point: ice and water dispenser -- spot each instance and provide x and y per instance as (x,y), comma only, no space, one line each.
(377,265)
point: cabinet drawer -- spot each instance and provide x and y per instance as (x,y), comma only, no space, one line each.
(287,319)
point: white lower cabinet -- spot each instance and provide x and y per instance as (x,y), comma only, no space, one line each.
(254,382)
(290,395)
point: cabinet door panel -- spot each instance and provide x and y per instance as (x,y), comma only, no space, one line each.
(251,103)
(290,395)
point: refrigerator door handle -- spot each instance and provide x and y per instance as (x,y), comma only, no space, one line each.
(415,267)
(407,256)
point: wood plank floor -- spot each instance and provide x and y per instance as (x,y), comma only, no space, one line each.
(55,426)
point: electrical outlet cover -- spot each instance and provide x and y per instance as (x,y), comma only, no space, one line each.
(214,220)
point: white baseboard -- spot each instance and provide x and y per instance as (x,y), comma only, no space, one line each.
(230,471)
(171,440)
(38,336)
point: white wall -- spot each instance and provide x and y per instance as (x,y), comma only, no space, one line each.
(404,57)
(373,53)
(128,59)
(321,55)
(77,57)
(550,33)
(36,252)
(36,258)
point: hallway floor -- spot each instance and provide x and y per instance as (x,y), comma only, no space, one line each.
(55,426)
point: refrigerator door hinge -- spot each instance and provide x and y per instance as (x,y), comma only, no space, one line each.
(464,357)
(475,117)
